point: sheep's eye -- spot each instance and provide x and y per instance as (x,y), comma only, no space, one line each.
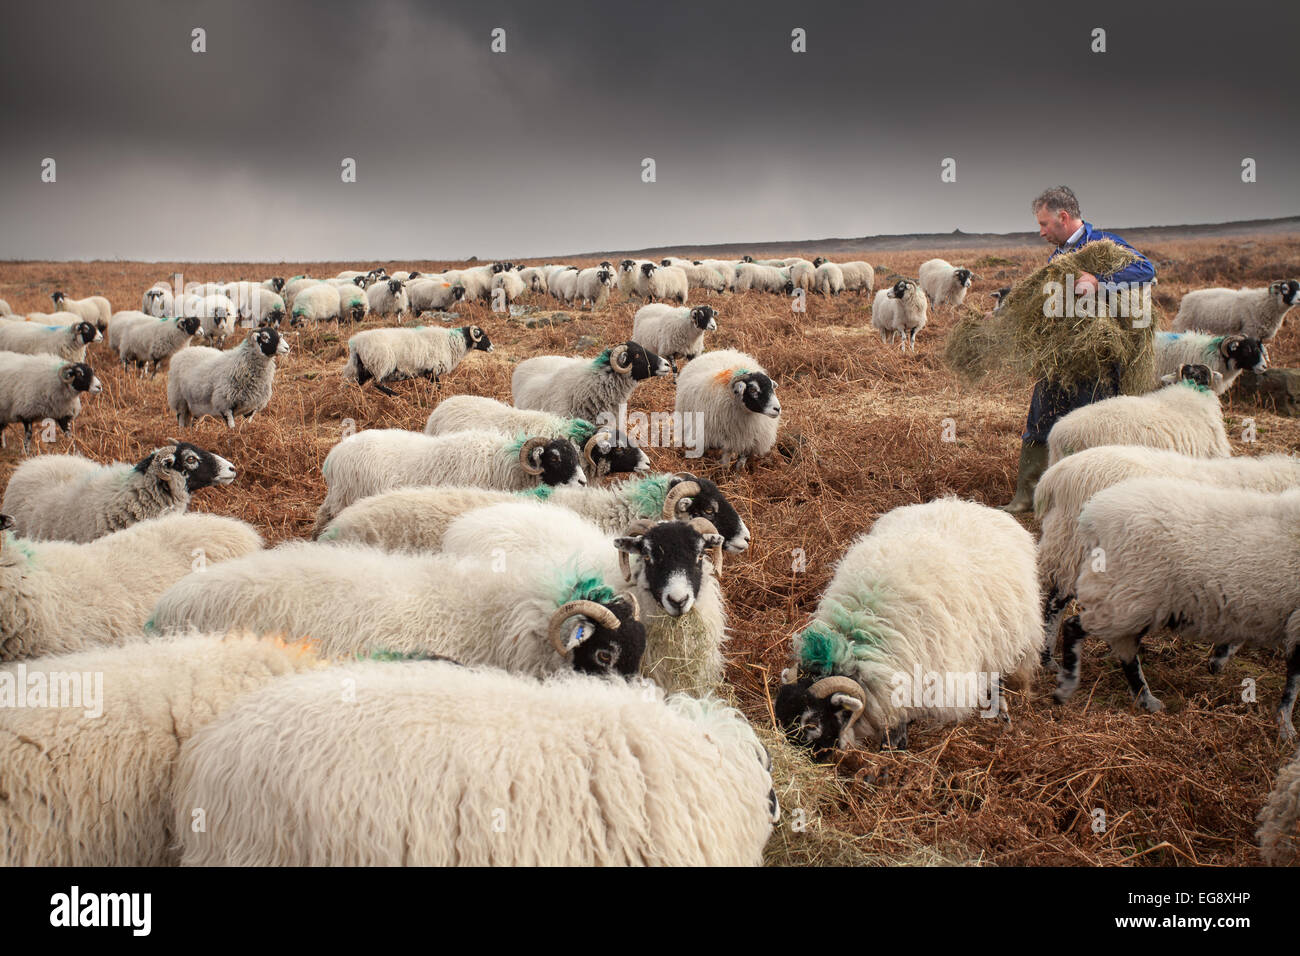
(604,658)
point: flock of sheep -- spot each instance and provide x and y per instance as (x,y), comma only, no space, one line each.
(485,657)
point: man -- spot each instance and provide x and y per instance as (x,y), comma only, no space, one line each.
(1059,222)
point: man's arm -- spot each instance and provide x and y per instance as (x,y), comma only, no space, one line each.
(1140,271)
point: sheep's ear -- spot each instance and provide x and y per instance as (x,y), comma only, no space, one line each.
(1216,379)
(166,461)
(580,631)
(1170,378)
(847,705)
(738,387)
(629,544)
(713,541)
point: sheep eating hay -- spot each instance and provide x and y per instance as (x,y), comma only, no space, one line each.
(581,772)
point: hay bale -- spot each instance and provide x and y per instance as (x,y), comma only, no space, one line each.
(1038,342)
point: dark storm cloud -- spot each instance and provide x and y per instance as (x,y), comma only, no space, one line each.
(235,153)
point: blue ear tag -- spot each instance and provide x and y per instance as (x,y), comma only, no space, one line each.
(583,632)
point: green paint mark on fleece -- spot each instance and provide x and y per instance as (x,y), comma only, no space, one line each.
(845,638)
(601,360)
(580,430)
(540,493)
(576,586)
(383,655)
(647,494)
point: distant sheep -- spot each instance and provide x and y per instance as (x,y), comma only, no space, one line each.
(1257,313)
(217,313)
(93,309)
(585,388)
(315,304)
(148,344)
(388,298)
(828,279)
(900,310)
(592,287)
(674,332)
(944,283)
(433,294)
(669,284)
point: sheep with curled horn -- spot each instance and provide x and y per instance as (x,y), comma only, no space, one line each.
(585,388)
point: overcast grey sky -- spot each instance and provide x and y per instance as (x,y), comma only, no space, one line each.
(235,153)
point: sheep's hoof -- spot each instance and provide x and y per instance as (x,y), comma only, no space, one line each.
(1065,690)
(1216,665)
(1286,729)
(1150,703)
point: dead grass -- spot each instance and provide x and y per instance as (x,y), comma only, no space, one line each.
(864,431)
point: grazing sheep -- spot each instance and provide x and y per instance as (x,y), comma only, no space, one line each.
(592,287)
(93,309)
(1226,354)
(477,282)
(673,332)
(120,322)
(828,279)
(732,400)
(1184,417)
(946,589)
(1066,487)
(415,519)
(149,344)
(604,452)
(664,562)
(669,283)
(316,304)
(751,276)
(295,286)
(217,314)
(859,276)
(585,388)
(381,459)
(1279,818)
(511,284)
(203,381)
(433,294)
(68,342)
(726,272)
(389,355)
(388,298)
(698,275)
(34,388)
(564,285)
(97,791)
(536,618)
(57,597)
(535,278)
(70,498)
(258,306)
(944,283)
(900,310)
(580,772)
(1257,313)
(1153,577)
(353,303)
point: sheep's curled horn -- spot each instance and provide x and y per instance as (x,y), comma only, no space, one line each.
(840,685)
(705,526)
(525,461)
(617,357)
(590,609)
(638,526)
(475,333)
(685,488)
(590,447)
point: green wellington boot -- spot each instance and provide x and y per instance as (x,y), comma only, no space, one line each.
(1033,462)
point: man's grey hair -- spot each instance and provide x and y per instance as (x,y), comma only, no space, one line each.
(1057,198)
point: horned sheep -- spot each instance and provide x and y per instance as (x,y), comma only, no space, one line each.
(1229,355)
(68,342)
(585,388)
(1257,313)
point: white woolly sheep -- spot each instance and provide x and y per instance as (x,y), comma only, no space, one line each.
(477,282)
(586,772)
(1184,417)
(294,287)
(592,287)
(57,597)
(535,278)
(389,355)
(258,306)
(68,342)
(674,332)
(1228,355)
(70,498)
(353,303)
(1068,484)
(858,276)
(511,284)
(316,304)
(669,284)
(1257,313)
(804,275)
(34,388)
(698,275)
(663,562)
(203,381)
(604,451)
(149,344)
(585,388)
(1155,575)
(150,697)
(828,279)
(536,619)
(415,519)
(217,314)
(758,278)
(120,322)
(947,589)
(629,275)
(379,459)
(93,309)
(944,283)
(564,285)
(900,310)
(1279,818)
(388,298)
(433,294)
(731,399)
(726,272)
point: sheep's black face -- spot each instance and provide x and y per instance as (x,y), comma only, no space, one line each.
(612,652)
(1247,353)
(899,289)
(713,505)
(648,269)
(6,522)
(200,468)
(607,265)
(818,261)
(1290,291)
(665,262)
(413,275)
(746,258)
(626,264)
(672,562)
(278,284)
(476,338)
(498,267)
(86,332)
(788,287)
(79,376)
(394,286)
(1197,374)
(704,317)
(561,463)
(458,293)
(618,456)
(190,326)
(809,721)
(758,393)
(963,276)
(275,316)
(646,364)
(268,342)
(360,281)
(603,276)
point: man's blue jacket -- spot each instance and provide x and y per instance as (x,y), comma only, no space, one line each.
(1140,271)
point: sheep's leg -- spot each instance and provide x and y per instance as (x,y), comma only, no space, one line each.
(1128,652)
(27,438)
(385,389)
(1067,677)
(896,736)
(1287,704)
(1219,657)
(1053,605)
(229,417)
